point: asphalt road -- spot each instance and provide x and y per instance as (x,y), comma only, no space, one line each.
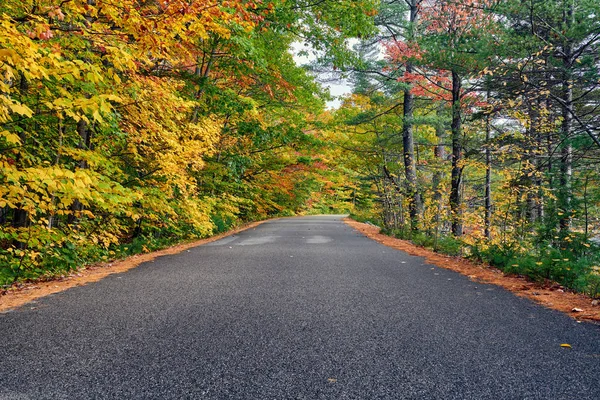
(299,308)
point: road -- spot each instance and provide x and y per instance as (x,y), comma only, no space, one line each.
(297,308)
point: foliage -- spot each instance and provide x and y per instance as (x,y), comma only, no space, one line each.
(129,126)
(504,126)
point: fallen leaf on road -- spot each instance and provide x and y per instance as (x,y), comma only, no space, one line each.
(566,345)
(331,380)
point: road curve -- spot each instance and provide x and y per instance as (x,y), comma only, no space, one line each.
(297,308)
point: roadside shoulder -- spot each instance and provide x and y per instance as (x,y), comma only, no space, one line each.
(577,306)
(17,296)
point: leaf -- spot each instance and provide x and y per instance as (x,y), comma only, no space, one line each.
(11,138)
(566,345)
(21,109)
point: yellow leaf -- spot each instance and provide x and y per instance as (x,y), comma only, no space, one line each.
(566,345)
(11,138)
(5,54)
(97,117)
(21,109)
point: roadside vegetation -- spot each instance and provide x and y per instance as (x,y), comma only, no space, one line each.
(478,131)
(126,126)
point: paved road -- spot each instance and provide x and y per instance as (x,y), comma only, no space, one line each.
(299,308)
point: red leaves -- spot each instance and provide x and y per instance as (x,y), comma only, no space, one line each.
(42,32)
(402,52)
(450,23)
(455,17)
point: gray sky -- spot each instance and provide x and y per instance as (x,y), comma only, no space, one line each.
(337,89)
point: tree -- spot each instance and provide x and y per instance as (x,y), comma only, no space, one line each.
(449,44)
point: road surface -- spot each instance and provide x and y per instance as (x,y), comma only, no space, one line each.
(297,308)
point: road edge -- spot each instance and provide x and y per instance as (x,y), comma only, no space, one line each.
(555,299)
(27,292)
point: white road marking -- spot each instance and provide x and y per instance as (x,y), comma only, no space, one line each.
(318,239)
(223,241)
(258,240)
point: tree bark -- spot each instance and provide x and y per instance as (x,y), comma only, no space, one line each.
(438,174)
(488,180)
(566,159)
(457,156)
(410,170)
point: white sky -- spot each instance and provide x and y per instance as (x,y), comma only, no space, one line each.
(337,89)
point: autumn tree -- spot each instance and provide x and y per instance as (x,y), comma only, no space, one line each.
(125,126)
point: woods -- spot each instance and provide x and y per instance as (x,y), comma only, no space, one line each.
(126,126)
(472,127)
(500,101)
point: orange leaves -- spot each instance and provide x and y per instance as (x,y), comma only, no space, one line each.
(399,51)
(455,17)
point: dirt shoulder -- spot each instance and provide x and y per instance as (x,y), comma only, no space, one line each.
(549,296)
(23,293)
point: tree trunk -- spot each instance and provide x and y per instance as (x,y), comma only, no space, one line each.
(566,159)
(488,180)
(438,174)
(529,180)
(456,175)
(539,163)
(410,170)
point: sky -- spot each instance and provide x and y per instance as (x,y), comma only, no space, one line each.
(337,88)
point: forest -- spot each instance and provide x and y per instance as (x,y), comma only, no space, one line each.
(472,127)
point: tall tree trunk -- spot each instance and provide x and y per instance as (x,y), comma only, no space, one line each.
(566,159)
(488,179)
(438,174)
(531,210)
(539,163)
(410,170)
(456,174)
